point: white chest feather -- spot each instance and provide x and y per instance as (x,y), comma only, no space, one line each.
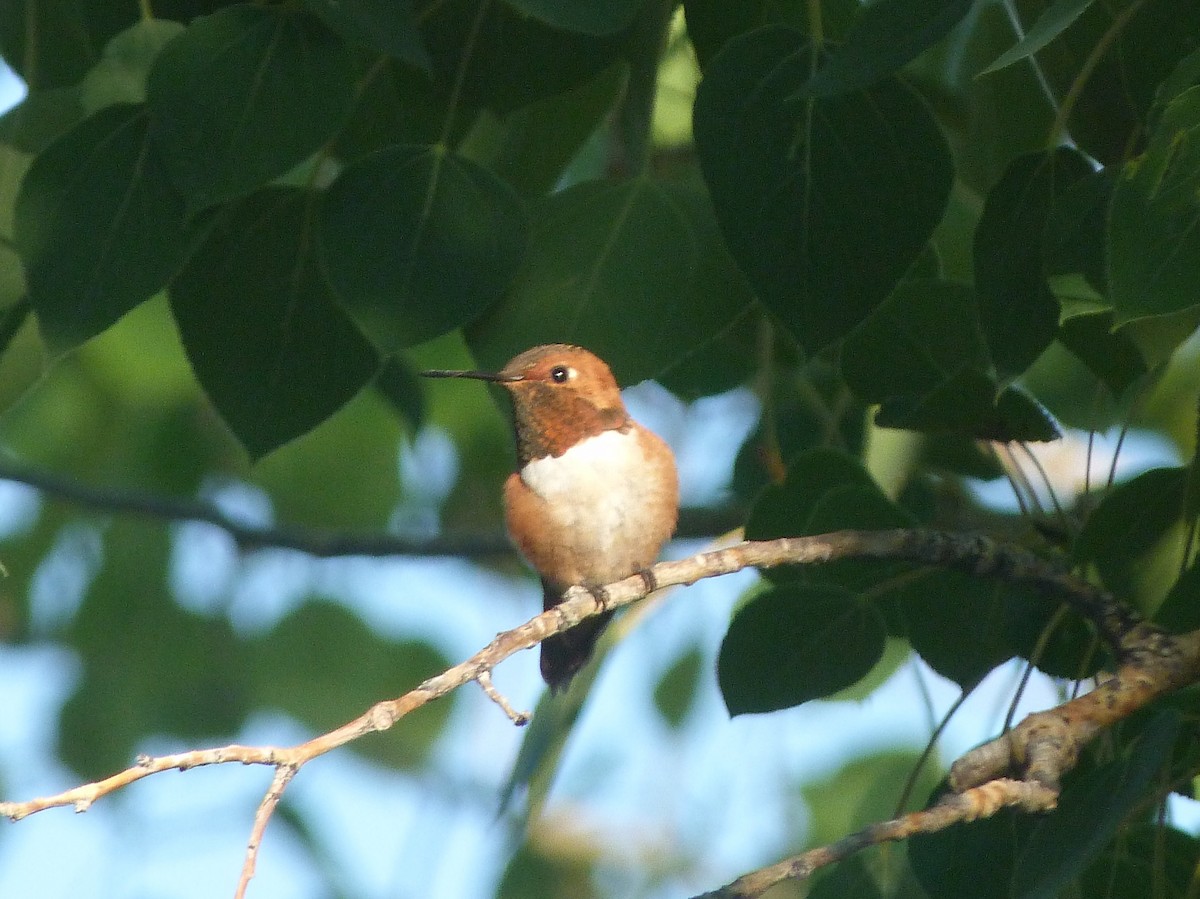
(604,498)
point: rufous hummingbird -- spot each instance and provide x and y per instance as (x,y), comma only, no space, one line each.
(595,495)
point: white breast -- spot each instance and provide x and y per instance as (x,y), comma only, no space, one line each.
(598,495)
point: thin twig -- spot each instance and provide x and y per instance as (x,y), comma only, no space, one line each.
(694,523)
(266,808)
(520,719)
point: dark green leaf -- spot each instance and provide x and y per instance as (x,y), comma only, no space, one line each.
(243,96)
(963,627)
(400,385)
(273,351)
(922,355)
(1185,76)
(99,226)
(787,509)
(825,204)
(1154,241)
(975,859)
(1017,311)
(500,58)
(530,147)
(713,23)
(323,665)
(387,25)
(1089,812)
(1180,611)
(48,44)
(850,879)
(120,75)
(1110,356)
(586,16)
(417,242)
(1076,230)
(41,118)
(889,35)
(612,259)
(1144,860)
(675,692)
(777,652)
(1129,521)
(1054,20)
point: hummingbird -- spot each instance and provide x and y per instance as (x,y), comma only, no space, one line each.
(595,495)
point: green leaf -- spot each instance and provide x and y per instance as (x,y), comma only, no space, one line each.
(243,96)
(586,16)
(1110,355)
(675,692)
(41,118)
(120,76)
(921,354)
(974,859)
(531,147)
(1054,20)
(1153,240)
(1017,311)
(776,653)
(1089,812)
(850,879)
(271,348)
(1076,231)
(1015,414)
(608,259)
(825,490)
(825,204)
(713,23)
(387,25)
(99,226)
(417,242)
(889,35)
(1180,611)
(1144,859)
(496,56)
(323,665)
(1130,520)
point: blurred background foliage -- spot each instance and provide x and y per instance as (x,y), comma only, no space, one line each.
(929,246)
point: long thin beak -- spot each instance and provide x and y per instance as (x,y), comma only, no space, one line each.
(475,375)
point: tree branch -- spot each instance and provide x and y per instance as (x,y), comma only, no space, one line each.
(693,523)
(1036,753)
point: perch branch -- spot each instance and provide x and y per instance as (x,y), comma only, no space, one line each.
(694,523)
(1150,663)
(955,808)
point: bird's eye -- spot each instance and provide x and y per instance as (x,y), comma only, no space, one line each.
(560,374)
